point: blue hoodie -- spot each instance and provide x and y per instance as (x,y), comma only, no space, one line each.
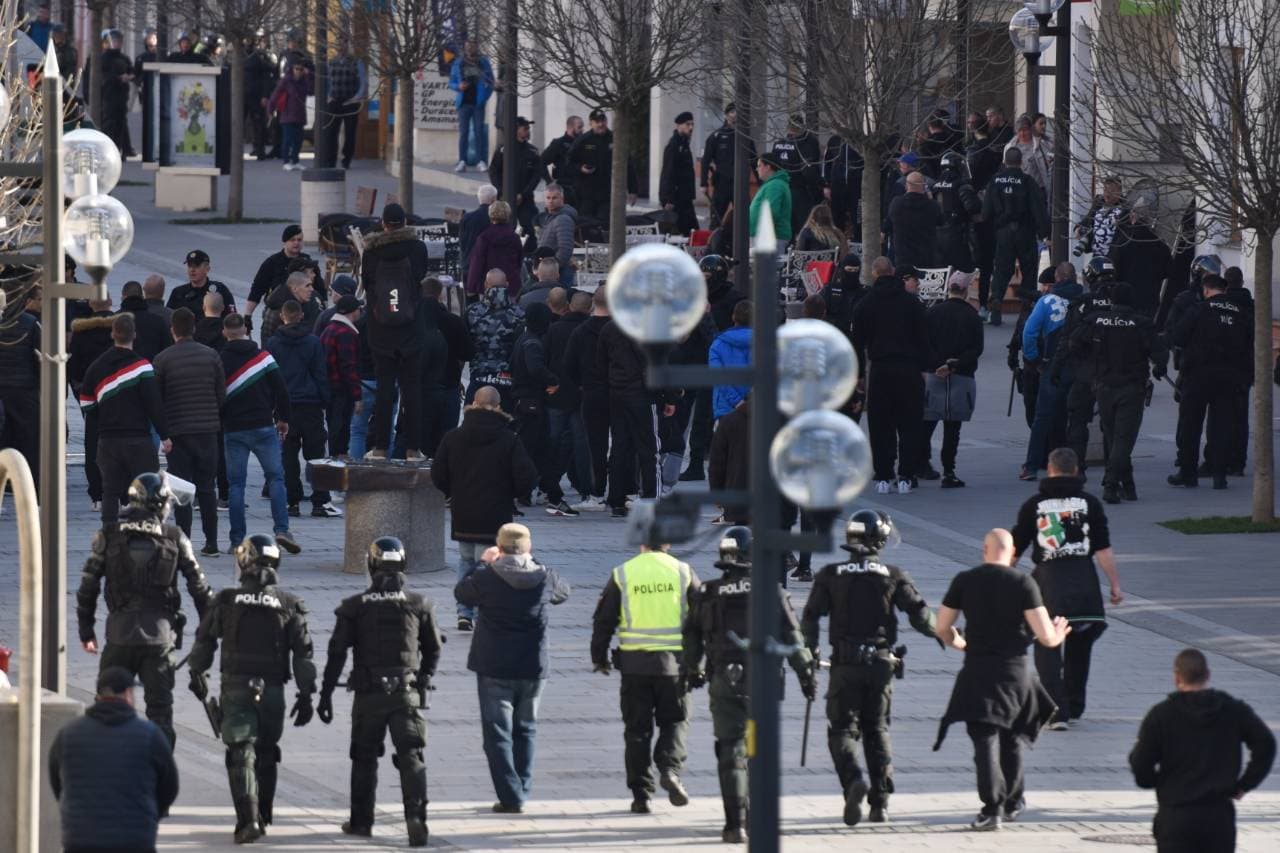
(1046,319)
(731,349)
(302,364)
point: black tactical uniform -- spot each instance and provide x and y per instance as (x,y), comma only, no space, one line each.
(842,170)
(140,556)
(960,205)
(555,160)
(116,94)
(860,596)
(259,82)
(1014,206)
(722,606)
(263,629)
(395,645)
(1120,341)
(1074,365)
(529,173)
(677,185)
(594,152)
(1217,358)
(801,156)
(718,169)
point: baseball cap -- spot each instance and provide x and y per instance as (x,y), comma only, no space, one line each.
(346,304)
(115,680)
(597,115)
(197,257)
(343,284)
(521,121)
(959,281)
(393,214)
(910,159)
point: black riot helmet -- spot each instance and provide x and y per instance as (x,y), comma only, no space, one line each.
(735,548)
(715,269)
(150,492)
(1205,265)
(953,161)
(386,554)
(256,553)
(867,531)
(1099,270)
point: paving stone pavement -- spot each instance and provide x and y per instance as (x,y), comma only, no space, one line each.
(1216,592)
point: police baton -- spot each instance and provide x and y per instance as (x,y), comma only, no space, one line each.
(214,713)
(808,712)
(1013,385)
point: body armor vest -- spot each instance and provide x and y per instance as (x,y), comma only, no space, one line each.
(387,625)
(142,564)
(254,640)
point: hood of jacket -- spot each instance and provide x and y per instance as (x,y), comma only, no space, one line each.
(293,334)
(496,299)
(484,426)
(1068,289)
(886,284)
(134,303)
(111,712)
(278,296)
(1061,487)
(240,346)
(1198,708)
(738,337)
(386,238)
(538,318)
(567,210)
(101,320)
(519,571)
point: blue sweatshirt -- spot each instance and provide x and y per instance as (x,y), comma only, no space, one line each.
(1046,319)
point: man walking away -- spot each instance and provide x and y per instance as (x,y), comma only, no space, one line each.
(1188,749)
(442,400)
(532,385)
(510,590)
(633,424)
(112,773)
(341,342)
(914,220)
(564,408)
(955,335)
(1014,205)
(583,370)
(493,325)
(1041,336)
(994,695)
(152,333)
(481,467)
(193,388)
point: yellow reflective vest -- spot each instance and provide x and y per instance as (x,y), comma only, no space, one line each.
(655,600)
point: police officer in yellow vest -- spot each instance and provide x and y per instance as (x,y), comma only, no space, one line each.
(646,601)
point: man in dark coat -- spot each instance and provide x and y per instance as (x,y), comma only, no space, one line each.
(555,158)
(117,89)
(677,186)
(151,329)
(1143,259)
(914,219)
(801,157)
(591,159)
(955,333)
(529,173)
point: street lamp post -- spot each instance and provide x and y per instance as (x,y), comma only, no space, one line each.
(820,460)
(1030,32)
(1024,32)
(98,232)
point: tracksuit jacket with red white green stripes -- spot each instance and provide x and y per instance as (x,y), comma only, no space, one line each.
(120,394)
(256,393)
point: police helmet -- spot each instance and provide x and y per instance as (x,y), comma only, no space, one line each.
(735,548)
(952,160)
(868,531)
(149,491)
(1099,269)
(258,551)
(715,269)
(386,554)
(1205,264)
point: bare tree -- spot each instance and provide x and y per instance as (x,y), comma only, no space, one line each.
(882,66)
(238,21)
(1192,85)
(404,37)
(612,54)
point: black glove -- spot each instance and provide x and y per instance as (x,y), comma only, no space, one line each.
(200,685)
(325,709)
(809,686)
(301,712)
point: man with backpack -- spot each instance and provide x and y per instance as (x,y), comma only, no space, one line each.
(394,265)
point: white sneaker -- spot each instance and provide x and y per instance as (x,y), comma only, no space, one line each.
(482,166)
(904,487)
(540,498)
(984,314)
(882,487)
(461,167)
(591,505)
(326,511)
(96,506)
(375,454)
(287,167)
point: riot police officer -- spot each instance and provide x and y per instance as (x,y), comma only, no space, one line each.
(718,164)
(1014,206)
(263,630)
(722,606)
(800,154)
(1074,366)
(395,644)
(1120,342)
(960,205)
(860,596)
(1217,358)
(140,555)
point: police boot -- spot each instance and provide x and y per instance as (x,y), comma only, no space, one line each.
(676,792)
(1111,494)
(853,795)
(264,768)
(413,785)
(879,813)
(248,829)
(1185,479)
(415,821)
(734,832)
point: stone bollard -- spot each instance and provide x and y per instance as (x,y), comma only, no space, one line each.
(323,191)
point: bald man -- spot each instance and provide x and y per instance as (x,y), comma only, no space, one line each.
(153,292)
(995,695)
(914,218)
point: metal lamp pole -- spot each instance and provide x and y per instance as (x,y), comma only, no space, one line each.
(1060,213)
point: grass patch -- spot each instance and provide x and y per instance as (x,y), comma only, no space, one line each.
(1221,524)
(222,220)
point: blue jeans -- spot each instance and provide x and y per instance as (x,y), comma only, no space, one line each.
(471,120)
(509,720)
(263,443)
(291,141)
(1051,403)
(468,561)
(569,446)
(360,420)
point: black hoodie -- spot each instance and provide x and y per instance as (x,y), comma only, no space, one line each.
(1065,526)
(530,372)
(152,332)
(482,466)
(889,326)
(1188,749)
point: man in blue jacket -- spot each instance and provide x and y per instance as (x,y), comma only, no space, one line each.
(302,365)
(472,78)
(112,772)
(732,348)
(1039,342)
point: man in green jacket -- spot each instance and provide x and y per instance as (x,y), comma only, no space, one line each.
(775,188)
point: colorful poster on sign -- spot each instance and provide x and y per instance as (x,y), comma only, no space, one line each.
(193,121)
(433,101)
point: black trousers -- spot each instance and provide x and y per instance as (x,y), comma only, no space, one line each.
(1030,390)
(1013,244)
(950,442)
(195,458)
(255,125)
(1201,828)
(985,243)
(1064,670)
(1213,392)
(373,716)
(594,206)
(1238,452)
(858,705)
(224,485)
(721,198)
(338,418)
(526,211)
(671,439)
(120,459)
(306,435)
(686,218)
(1079,414)
(342,117)
(1120,416)
(440,412)
(634,428)
(702,426)
(648,700)
(595,419)
(535,435)
(997,756)
(895,410)
(154,667)
(20,429)
(402,369)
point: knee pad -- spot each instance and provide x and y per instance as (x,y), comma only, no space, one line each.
(401,759)
(239,754)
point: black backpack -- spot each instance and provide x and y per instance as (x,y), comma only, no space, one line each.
(396,299)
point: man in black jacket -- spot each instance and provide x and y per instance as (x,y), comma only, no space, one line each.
(914,219)
(801,156)
(555,159)
(392,270)
(891,338)
(193,388)
(442,400)
(259,82)
(90,338)
(152,330)
(306,377)
(632,420)
(1143,259)
(568,435)
(591,159)
(482,467)
(121,402)
(529,173)
(275,268)
(584,371)
(717,164)
(960,206)
(1188,749)
(1014,208)
(955,336)
(532,384)
(191,294)
(677,187)
(842,165)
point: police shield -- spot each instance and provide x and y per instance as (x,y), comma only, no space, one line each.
(183,491)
